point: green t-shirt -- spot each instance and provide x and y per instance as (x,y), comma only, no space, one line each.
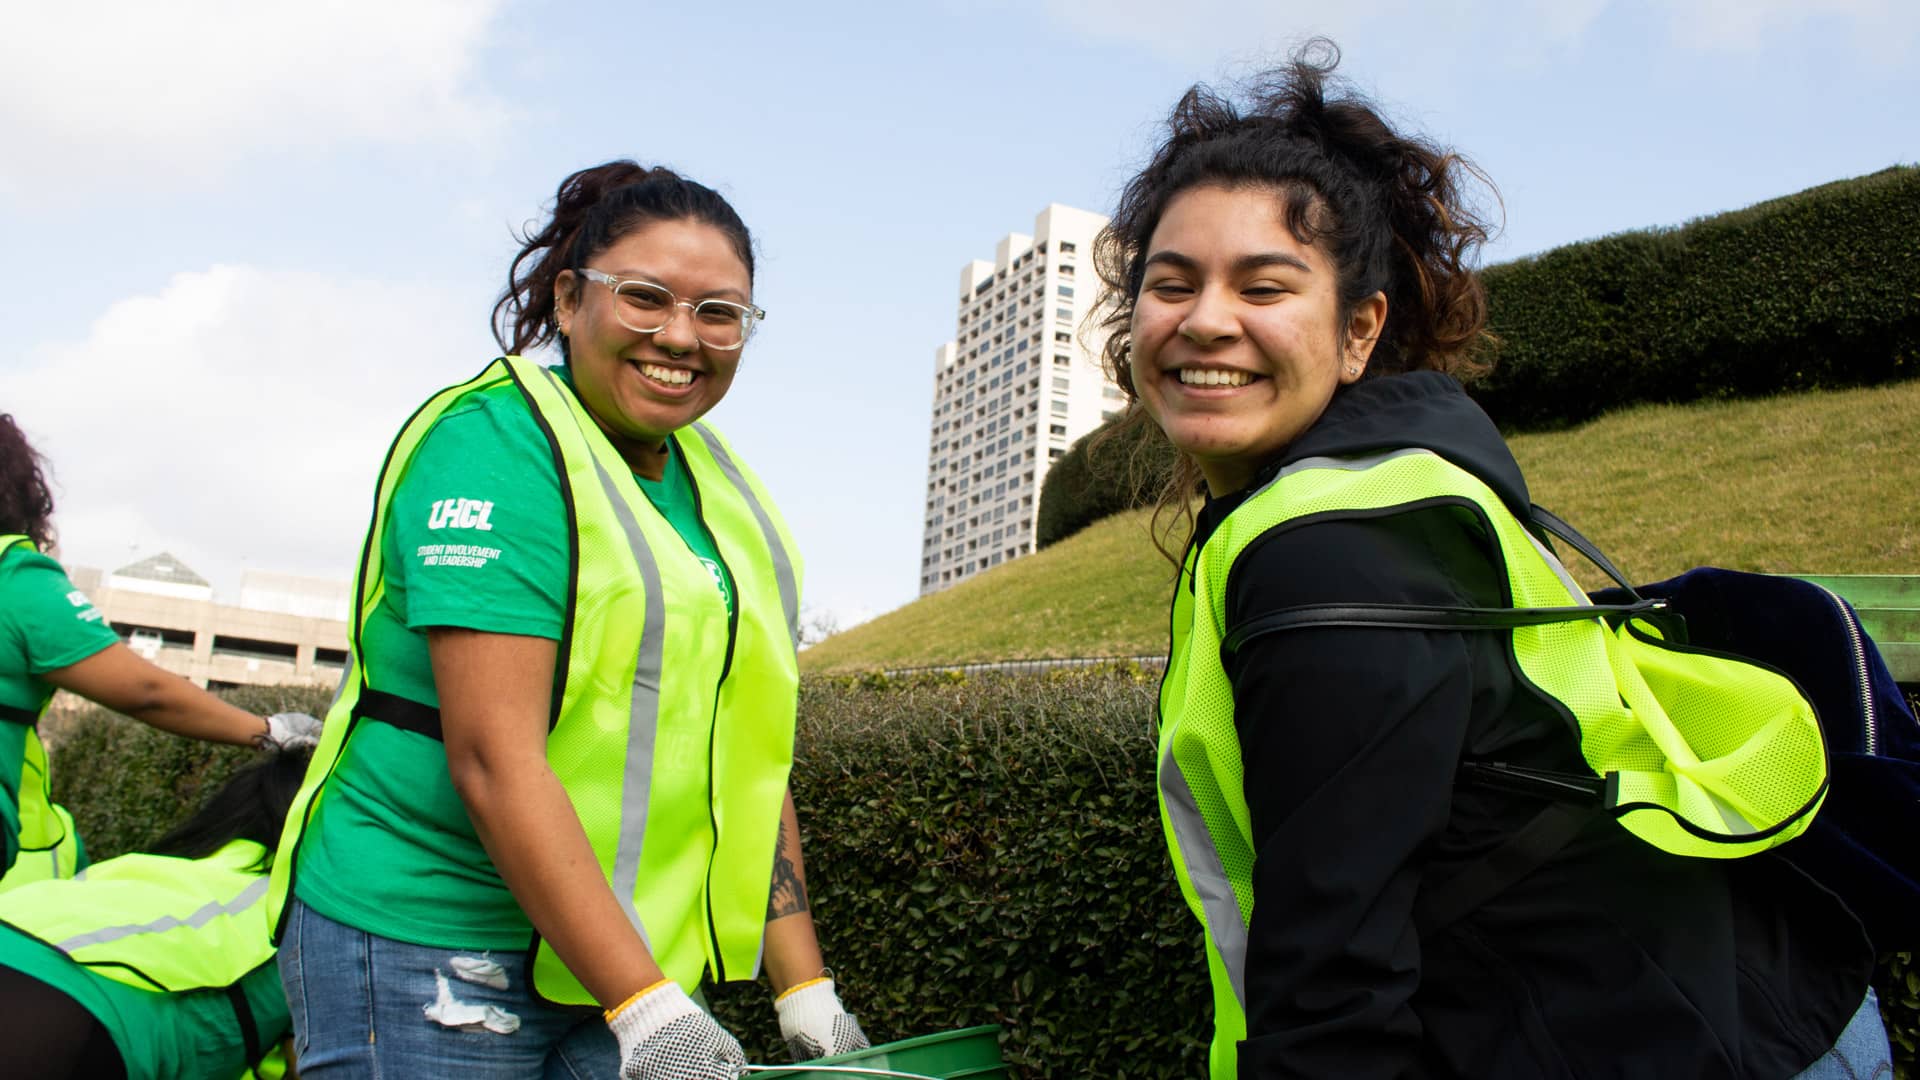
(476,538)
(160,1036)
(45,624)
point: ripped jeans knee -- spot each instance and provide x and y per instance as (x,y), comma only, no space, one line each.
(368,1006)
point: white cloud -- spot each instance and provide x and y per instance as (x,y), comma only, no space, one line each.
(178,91)
(237,418)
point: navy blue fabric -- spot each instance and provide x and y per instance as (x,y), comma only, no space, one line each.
(1861,844)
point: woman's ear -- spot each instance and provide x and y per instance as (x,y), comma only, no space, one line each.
(1363,332)
(566,297)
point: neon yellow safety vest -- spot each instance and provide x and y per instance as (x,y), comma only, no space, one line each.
(1739,789)
(156,922)
(161,923)
(48,846)
(673,727)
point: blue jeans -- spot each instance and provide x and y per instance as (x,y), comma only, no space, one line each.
(1862,1052)
(371,1008)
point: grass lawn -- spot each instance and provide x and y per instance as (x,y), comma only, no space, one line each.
(1812,483)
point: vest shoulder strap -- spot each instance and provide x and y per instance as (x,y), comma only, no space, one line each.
(243,1015)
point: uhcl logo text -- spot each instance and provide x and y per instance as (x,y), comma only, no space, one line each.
(460,514)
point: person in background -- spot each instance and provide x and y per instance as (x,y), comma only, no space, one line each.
(53,638)
(553,795)
(1290,297)
(156,965)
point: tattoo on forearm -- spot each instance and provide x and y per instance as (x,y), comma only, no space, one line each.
(789,895)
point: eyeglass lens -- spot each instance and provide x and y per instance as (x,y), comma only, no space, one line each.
(647,308)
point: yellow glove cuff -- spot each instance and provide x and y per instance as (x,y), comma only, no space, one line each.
(636,996)
(801,986)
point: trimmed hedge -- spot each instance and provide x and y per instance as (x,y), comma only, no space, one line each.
(1815,290)
(987,849)
(1088,483)
(981,849)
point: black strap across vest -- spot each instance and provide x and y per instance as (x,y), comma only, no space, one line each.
(403,713)
(27,717)
(249,1030)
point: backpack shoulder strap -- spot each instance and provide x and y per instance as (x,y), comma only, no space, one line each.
(1440,617)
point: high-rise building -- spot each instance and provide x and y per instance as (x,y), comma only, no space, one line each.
(1016,385)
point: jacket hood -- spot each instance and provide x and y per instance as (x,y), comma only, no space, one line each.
(1424,409)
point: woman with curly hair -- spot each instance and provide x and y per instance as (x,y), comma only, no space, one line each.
(53,638)
(1290,300)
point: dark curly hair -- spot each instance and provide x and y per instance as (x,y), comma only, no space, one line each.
(26,505)
(592,210)
(1390,210)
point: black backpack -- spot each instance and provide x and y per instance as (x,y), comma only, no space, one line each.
(1865,841)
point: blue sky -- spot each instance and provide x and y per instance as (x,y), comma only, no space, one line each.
(245,240)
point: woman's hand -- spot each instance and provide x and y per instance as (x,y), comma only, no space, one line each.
(663,1035)
(812,1020)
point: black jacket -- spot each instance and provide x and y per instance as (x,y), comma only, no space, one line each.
(1612,959)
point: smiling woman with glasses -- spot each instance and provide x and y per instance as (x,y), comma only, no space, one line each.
(556,780)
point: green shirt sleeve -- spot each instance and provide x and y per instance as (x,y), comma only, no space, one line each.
(45,623)
(477,534)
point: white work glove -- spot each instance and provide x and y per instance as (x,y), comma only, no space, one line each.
(815,1024)
(663,1035)
(290,731)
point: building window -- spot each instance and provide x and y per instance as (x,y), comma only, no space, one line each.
(1065,290)
(1064,314)
(1066,247)
(1059,408)
(1057,429)
(1054,454)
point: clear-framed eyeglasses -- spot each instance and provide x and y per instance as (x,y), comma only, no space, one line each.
(646,308)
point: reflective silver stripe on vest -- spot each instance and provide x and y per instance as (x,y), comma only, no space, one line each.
(643,715)
(1208,876)
(1340,464)
(248,897)
(782,565)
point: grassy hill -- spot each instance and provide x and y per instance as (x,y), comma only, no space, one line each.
(1819,482)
